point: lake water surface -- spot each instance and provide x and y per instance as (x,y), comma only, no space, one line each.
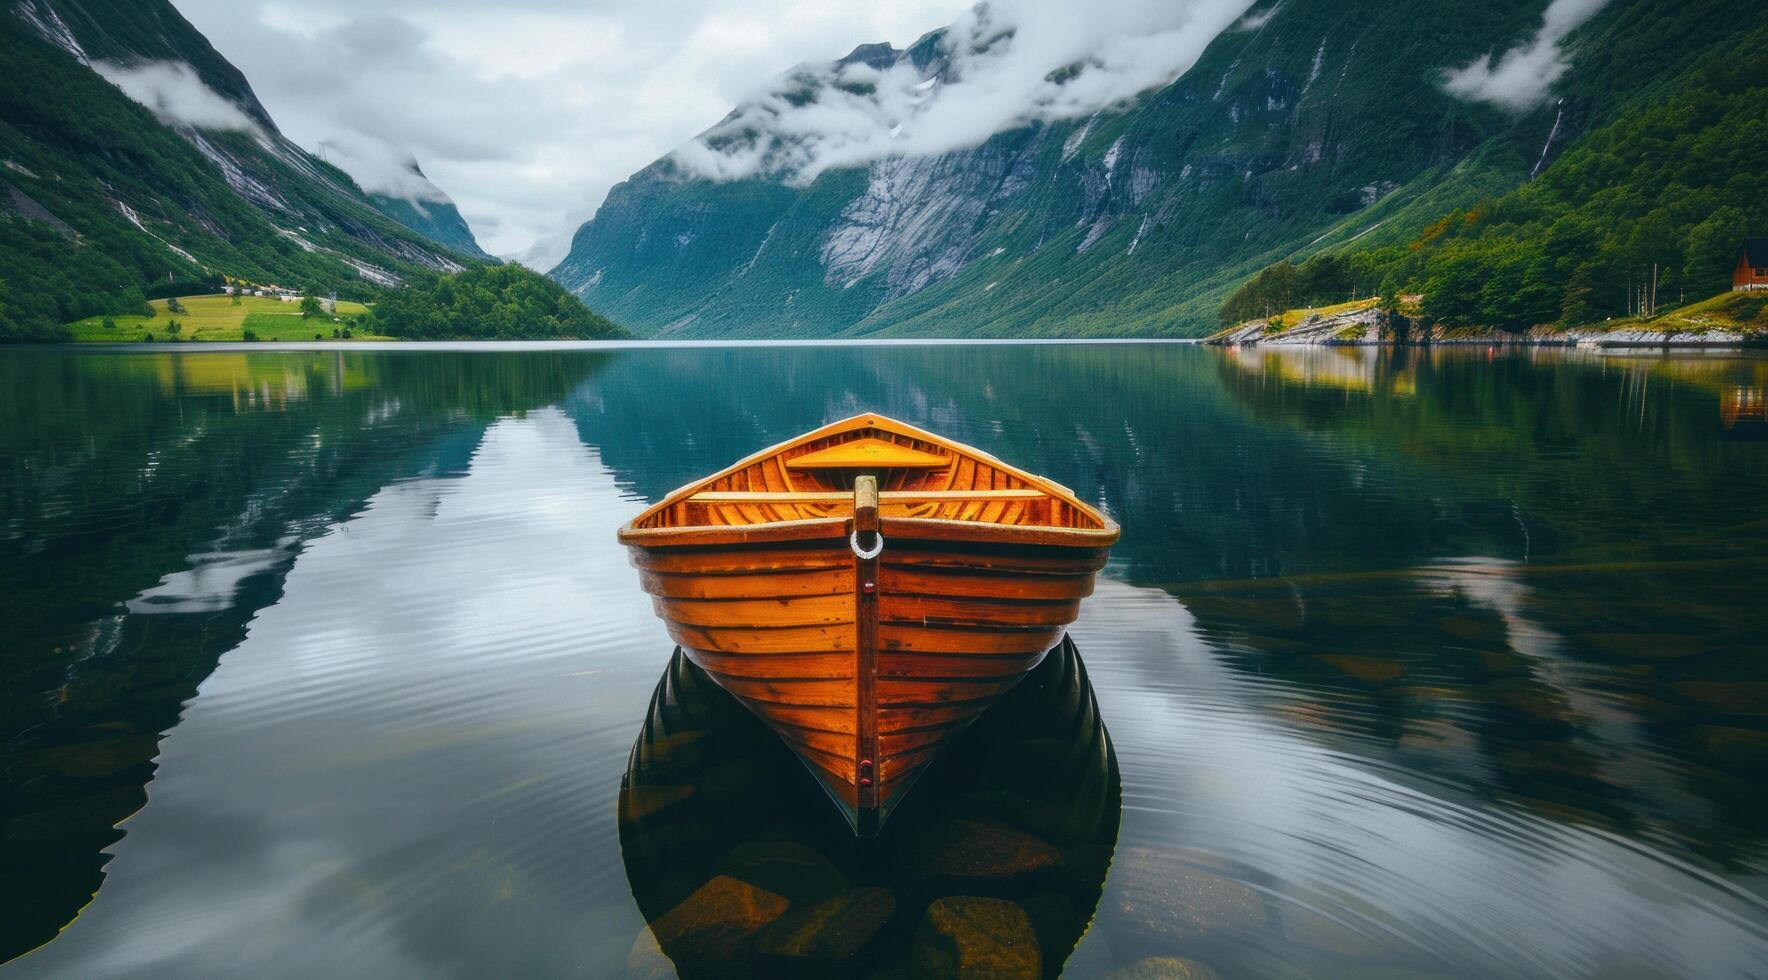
(1409,663)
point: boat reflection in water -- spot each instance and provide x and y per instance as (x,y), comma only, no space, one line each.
(994,864)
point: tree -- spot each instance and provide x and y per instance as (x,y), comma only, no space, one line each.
(1712,248)
(310,307)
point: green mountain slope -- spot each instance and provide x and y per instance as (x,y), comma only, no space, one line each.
(437,220)
(1327,125)
(1644,212)
(101,197)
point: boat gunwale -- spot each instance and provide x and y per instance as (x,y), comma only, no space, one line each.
(834,528)
(632,533)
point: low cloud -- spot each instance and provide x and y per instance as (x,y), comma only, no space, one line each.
(1257,19)
(1001,65)
(526,111)
(175,95)
(1522,77)
(379,167)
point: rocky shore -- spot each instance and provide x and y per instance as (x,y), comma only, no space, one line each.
(1371,327)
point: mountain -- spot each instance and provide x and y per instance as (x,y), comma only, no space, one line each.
(1305,126)
(434,218)
(1642,214)
(414,201)
(132,153)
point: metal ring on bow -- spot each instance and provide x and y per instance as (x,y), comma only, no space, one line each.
(861,553)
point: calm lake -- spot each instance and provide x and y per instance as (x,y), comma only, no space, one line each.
(1408,664)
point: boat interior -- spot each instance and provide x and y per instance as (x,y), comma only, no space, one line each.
(917,478)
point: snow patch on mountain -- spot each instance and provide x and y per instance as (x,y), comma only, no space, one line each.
(1002,66)
(49,24)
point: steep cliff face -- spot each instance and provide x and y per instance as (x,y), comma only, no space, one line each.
(1308,125)
(433,215)
(145,156)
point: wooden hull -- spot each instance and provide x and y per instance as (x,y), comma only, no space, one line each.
(777,625)
(865,661)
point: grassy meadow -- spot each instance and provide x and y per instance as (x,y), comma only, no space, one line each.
(1744,312)
(218,318)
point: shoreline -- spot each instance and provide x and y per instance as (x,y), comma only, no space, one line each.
(1371,327)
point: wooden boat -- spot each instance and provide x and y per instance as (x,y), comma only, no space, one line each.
(868,589)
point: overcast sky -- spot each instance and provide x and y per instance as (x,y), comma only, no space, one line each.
(527,111)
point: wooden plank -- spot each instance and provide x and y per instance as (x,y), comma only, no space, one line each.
(957,639)
(767,585)
(896,581)
(836,693)
(790,639)
(785,666)
(952,666)
(743,561)
(972,611)
(895,692)
(816,610)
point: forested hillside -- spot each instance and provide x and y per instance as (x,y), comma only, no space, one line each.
(101,199)
(506,302)
(1646,211)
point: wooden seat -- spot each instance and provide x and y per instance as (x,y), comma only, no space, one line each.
(868,454)
(837,497)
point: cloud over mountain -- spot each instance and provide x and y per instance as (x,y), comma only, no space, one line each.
(174,93)
(999,65)
(1523,76)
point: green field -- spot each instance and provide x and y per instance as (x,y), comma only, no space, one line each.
(216,318)
(1743,312)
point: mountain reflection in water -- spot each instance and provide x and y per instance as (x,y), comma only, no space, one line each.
(1443,662)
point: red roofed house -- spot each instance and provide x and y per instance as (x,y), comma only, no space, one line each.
(1752,265)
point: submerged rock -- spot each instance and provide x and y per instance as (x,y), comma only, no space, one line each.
(1164,968)
(713,925)
(964,936)
(1164,897)
(785,868)
(1369,670)
(646,960)
(981,849)
(830,930)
